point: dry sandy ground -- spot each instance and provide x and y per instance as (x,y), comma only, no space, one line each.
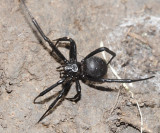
(131,28)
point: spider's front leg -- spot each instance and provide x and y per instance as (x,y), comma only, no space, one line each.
(53,103)
(73,49)
(49,89)
(63,92)
(77,97)
(54,48)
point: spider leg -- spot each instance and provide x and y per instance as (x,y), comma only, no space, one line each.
(100,50)
(119,80)
(77,97)
(73,49)
(53,103)
(49,89)
(61,39)
(54,48)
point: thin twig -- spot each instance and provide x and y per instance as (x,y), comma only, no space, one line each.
(140,113)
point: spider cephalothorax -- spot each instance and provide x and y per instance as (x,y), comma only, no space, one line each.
(91,68)
(72,70)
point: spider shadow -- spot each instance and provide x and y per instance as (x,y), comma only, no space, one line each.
(97,87)
(100,88)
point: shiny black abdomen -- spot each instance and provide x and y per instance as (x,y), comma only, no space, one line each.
(94,67)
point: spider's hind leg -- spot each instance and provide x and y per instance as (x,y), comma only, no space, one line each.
(119,80)
(101,50)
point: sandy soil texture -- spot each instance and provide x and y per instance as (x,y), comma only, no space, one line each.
(131,28)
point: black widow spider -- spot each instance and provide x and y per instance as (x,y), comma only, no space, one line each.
(91,68)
